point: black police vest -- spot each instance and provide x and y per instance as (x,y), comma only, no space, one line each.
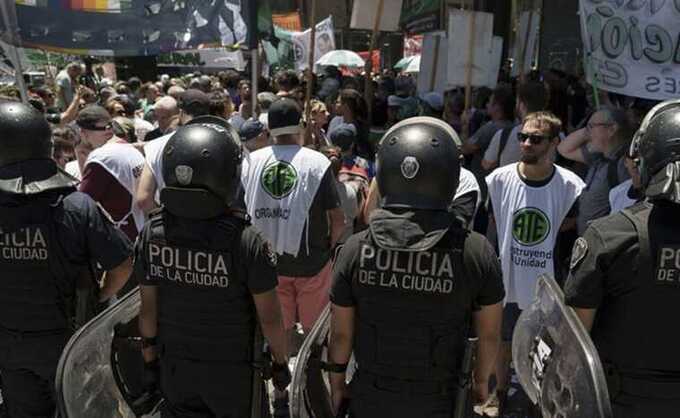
(413,310)
(205,311)
(635,332)
(35,284)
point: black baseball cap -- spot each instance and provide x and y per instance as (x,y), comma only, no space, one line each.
(284,117)
(195,102)
(251,129)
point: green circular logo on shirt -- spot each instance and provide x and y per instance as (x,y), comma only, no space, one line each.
(530,226)
(279,179)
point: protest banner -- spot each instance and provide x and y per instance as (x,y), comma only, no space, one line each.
(466,35)
(207,58)
(421,16)
(525,43)
(633,48)
(324,43)
(364,15)
(130,27)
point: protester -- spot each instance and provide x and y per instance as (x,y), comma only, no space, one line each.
(112,170)
(601,145)
(530,201)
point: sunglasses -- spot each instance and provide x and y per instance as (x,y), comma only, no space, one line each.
(534,139)
(95,128)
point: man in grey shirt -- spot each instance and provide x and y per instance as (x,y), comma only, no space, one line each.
(531,97)
(601,146)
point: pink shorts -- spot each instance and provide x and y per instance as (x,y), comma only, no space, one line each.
(304,298)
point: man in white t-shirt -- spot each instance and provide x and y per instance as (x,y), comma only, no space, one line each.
(192,103)
(530,202)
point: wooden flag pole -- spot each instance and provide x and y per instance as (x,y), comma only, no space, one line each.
(310,76)
(368,68)
(525,45)
(468,69)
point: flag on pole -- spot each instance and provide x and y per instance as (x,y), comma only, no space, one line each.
(101,6)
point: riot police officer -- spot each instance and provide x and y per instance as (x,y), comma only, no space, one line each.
(407,291)
(207,278)
(624,282)
(48,233)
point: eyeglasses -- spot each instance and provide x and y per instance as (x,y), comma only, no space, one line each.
(534,139)
(592,125)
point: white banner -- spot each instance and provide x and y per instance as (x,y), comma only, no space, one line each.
(459,43)
(494,65)
(364,14)
(634,49)
(325,42)
(525,43)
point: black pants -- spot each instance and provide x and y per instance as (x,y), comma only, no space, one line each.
(28,366)
(628,406)
(382,397)
(199,389)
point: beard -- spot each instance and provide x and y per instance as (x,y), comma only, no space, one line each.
(530,158)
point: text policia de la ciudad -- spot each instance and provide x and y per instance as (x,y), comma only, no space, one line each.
(634,32)
(25,244)
(189,267)
(423,271)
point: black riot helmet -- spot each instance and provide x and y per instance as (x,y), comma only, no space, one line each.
(24,134)
(656,150)
(418,164)
(201,169)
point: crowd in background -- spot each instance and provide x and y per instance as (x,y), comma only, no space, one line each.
(592,129)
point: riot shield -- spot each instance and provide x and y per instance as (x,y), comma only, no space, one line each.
(310,389)
(555,359)
(99,373)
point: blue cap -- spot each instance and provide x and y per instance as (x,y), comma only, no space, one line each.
(251,129)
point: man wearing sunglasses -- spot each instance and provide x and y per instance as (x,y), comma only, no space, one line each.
(530,201)
(112,170)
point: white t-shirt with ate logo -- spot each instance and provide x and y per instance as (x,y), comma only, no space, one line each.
(528,220)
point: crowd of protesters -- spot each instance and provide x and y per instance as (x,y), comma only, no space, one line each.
(546,142)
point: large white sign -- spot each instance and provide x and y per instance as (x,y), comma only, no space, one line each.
(436,45)
(325,42)
(365,12)
(634,47)
(460,42)
(204,58)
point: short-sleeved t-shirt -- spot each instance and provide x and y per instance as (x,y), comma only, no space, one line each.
(255,265)
(153,153)
(483,138)
(315,245)
(482,267)
(595,197)
(510,154)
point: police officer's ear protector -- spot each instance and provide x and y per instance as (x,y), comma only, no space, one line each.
(634,150)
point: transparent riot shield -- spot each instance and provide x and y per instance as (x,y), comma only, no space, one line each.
(99,373)
(555,359)
(310,389)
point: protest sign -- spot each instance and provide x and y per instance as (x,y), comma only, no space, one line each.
(364,14)
(459,40)
(634,48)
(494,63)
(413,45)
(434,45)
(525,42)
(325,42)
